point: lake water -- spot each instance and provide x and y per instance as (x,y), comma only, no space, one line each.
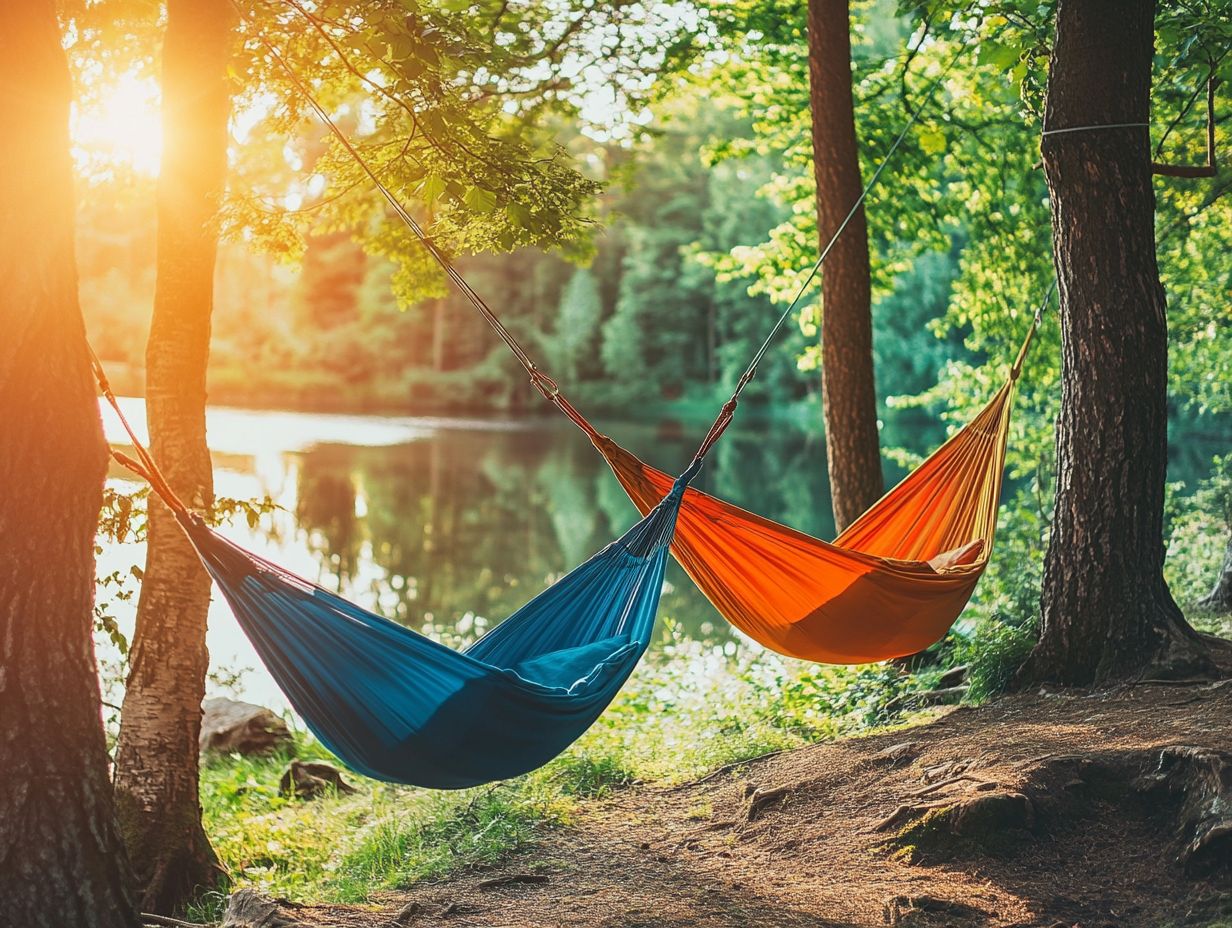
(448,525)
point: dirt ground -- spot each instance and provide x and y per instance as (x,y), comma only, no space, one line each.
(1049,809)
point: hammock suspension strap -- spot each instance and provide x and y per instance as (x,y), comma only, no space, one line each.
(145,467)
(1016,369)
(1107,125)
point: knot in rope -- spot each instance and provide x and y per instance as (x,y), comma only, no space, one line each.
(546,386)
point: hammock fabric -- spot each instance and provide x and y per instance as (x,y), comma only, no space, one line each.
(889,586)
(396,705)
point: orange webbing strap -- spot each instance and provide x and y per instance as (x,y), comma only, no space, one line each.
(721,422)
(1022,352)
(1035,324)
(146,468)
(548,388)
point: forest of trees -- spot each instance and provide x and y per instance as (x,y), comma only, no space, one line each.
(639,250)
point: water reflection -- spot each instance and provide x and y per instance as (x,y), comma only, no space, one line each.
(463,521)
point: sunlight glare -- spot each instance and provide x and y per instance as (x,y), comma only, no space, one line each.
(119,127)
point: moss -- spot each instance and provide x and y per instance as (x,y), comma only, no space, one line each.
(993,823)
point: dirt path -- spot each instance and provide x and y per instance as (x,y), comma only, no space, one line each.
(1040,810)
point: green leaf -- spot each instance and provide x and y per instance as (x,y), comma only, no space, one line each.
(932,141)
(411,68)
(401,46)
(519,215)
(431,188)
(998,55)
(480,200)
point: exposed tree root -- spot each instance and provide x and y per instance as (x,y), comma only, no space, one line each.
(720,771)
(178,869)
(759,799)
(163,921)
(511,879)
(248,908)
(1190,788)
(903,910)
(1200,782)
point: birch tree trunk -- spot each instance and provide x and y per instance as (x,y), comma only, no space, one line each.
(157,760)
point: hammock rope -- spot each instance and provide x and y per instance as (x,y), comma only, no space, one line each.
(542,382)
(145,468)
(1016,367)
(729,408)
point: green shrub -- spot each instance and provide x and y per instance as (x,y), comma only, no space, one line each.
(1198,528)
(994,652)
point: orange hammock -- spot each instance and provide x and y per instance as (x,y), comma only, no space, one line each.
(890,585)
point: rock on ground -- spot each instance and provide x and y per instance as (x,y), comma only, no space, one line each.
(312,779)
(229,726)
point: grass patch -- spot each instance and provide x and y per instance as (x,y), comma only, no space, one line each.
(454,832)
(345,848)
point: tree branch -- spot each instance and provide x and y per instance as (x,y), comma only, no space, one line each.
(1209,169)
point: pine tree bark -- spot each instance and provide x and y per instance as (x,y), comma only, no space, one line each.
(849,393)
(157,759)
(61,858)
(1107,612)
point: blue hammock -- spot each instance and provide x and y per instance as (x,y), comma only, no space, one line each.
(396,705)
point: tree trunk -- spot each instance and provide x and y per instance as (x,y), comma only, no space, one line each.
(1107,612)
(1220,596)
(157,759)
(62,862)
(849,393)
